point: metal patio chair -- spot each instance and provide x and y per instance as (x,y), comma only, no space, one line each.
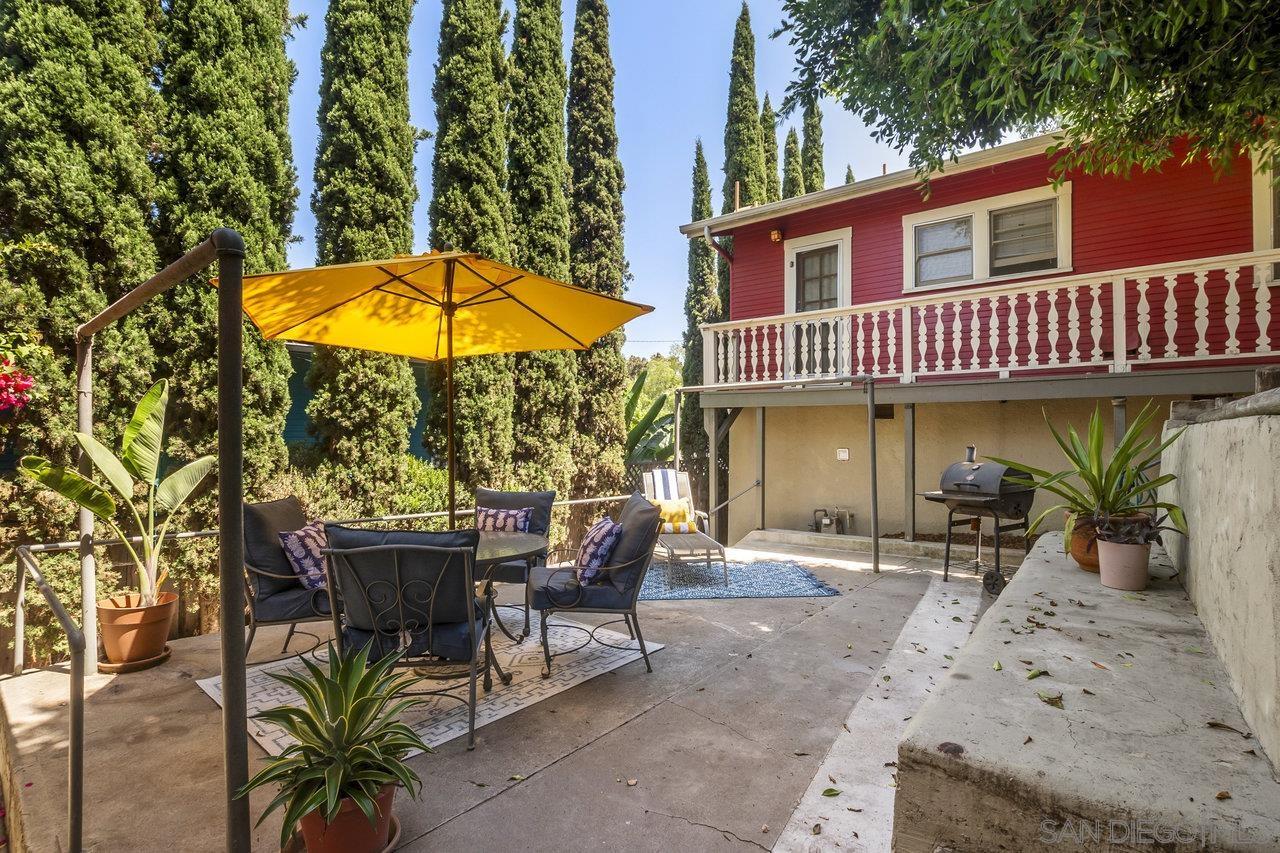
(517,571)
(555,589)
(690,543)
(413,593)
(274,594)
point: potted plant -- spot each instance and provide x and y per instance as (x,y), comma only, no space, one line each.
(1100,485)
(135,626)
(338,779)
(1124,549)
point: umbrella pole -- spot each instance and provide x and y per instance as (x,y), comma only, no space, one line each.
(448,390)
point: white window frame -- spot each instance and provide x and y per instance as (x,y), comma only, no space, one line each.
(841,237)
(1264,214)
(980,210)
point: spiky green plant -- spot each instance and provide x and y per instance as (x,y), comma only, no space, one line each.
(348,739)
(140,455)
(1097,486)
(651,435)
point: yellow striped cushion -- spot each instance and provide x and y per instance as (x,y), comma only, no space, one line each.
(679,527)
(676,511)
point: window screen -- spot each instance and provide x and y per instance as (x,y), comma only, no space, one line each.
(944,251)
(1024,238)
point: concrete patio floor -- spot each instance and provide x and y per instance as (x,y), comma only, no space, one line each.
(722,739)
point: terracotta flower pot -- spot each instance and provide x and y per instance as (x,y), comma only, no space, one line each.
(1123,565)
(1084,545)
(350,831)
(133,633)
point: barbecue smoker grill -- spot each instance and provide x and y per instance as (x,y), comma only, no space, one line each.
(977,490)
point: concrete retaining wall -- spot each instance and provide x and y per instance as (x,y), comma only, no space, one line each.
(1229,485)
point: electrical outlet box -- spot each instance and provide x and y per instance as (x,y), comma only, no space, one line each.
(842,454)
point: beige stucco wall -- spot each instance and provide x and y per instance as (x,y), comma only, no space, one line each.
(1229,486)
(802,474)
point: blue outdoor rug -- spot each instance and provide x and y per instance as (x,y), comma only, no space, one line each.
(757,579)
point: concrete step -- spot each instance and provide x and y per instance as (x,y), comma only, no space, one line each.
(1010,558)
(862,761)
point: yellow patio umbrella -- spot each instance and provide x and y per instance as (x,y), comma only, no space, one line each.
(432,307)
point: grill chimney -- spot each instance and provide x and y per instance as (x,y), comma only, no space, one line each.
(970,453)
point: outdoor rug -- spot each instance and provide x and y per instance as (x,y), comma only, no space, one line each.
(756,579)
(442,719)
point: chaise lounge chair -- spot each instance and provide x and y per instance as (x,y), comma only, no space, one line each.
(686,542)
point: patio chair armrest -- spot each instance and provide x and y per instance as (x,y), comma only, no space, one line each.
(266,574)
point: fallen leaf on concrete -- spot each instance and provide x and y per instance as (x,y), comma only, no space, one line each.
(845,726)
(515,777)
(764,828)
(800,754)
(1223,795)
(997,666)
(1252,752)
(1100,665)
(1027,662)
(1195,650)
(1132,597)
(831,779)
(631,783)
(891,764)
(884,678)
(948,657)
(1054,699)
(831,792)
(1036,673)
(1028,740)
(1086,691)
(1214,724)
(851,809)
(817,829)
(949,748)
(956,619)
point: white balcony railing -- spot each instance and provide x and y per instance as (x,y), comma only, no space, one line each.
(1206,309)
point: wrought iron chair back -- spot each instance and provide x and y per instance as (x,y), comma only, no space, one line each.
(398,592)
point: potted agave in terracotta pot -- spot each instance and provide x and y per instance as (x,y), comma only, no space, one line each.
(1099,485)
(337,780)
(135,625)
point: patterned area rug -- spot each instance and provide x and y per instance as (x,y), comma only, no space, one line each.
(757,579)
(442,719)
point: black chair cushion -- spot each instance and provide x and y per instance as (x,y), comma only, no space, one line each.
(639,520)
(263,524)
(516,571)
(553,588)
(292,604)
(449,640)
(539,521)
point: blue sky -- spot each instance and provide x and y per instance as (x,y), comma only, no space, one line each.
(672,61)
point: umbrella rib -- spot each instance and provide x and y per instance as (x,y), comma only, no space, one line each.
(544,319)
(409,284)
(335,306)
(425,300)
(493,285)
(502,288)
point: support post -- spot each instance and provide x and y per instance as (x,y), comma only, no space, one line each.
(1119,419)
(230,252)
(88,568)
(675,426)
(713,496)
(760,462)
(909,474)
(869,385)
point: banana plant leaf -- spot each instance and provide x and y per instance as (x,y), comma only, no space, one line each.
(71,485)
(144,435)
(179,485)
(106,462)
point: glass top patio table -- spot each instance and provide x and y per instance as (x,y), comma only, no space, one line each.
(500,547)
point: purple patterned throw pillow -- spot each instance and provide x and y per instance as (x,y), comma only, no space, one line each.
(597,547)
(503,520)
(302,547)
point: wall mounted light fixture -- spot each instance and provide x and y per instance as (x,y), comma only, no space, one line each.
(776,235)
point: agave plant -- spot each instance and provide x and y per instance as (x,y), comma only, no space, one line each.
(139,463)
(649,435)
(1098,486)
(349,741)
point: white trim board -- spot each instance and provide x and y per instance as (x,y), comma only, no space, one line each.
(842,237)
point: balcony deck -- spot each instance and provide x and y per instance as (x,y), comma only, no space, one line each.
(1191,327)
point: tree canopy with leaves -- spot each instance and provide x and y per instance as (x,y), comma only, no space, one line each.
(470,211)
(365,403)
(811,152)
(792,168)
(224,64)
(769,129)
(546,398)
(701,305)
(596,248)
(1123,81)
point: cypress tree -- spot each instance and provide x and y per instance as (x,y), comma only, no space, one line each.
(365,403)
(811,152)
(769,130)
(792,172)
(848,174)
(224,66)
(701,305)
(596,251)
(546,399)
(470,211)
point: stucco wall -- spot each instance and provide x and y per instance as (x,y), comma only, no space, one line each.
(802,474)
(1229,485)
